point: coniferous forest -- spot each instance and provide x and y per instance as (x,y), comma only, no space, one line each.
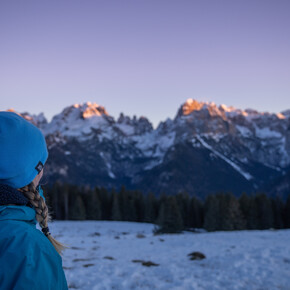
(170,213)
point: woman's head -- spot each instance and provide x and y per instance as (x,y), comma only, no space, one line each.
(23,150)
(23,153)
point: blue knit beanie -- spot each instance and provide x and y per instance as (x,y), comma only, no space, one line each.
(23,150)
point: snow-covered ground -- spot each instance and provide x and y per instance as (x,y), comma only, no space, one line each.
(102,253)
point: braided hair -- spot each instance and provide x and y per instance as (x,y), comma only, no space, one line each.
(42,215)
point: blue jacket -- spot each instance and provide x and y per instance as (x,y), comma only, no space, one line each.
(28,260)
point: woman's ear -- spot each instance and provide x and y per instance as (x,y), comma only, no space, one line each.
(37,178)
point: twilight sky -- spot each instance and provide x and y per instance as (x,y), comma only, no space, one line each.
(144,57)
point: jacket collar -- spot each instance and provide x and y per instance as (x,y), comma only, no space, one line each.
(10,195)
(17,212)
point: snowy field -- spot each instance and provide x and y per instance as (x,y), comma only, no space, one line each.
(103,255)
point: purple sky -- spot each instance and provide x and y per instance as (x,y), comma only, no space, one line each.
(144,57)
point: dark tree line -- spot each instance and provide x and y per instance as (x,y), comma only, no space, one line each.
(170,213)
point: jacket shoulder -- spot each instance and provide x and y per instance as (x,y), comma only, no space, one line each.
(30,258)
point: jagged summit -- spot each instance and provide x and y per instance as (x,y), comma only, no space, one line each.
(86,110)
(89,110)
(193,105)
(204,109)
(37,120)
(131,121)
(286,113)
(133,126)
(210,109)
(79,120)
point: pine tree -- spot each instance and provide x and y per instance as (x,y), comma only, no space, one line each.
(264,212)
(116,212)
(78,211)
(93,205)
(128,206)
(169,218)
(212,213)
(244,202)
(66,191)
(253,219)
(277,207)
(223,222)
(124,203)
(183,201)
(131,206)
(234,219)
(139,206)
(287,213)
(195,213)
(150,208)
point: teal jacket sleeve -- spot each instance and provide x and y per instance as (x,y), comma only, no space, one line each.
(45,272)
(28,260)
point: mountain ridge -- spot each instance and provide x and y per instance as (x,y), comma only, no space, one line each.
(222,148)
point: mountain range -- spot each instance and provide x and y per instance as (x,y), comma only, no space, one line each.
(204,149)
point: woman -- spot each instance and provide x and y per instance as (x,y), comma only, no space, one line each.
(29,259)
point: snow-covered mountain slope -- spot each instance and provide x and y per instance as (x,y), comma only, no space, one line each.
(206,148)
(79,121)
(89,120)
(109,255)
(265,137)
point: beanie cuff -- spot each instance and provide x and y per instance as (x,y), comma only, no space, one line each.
(29,178)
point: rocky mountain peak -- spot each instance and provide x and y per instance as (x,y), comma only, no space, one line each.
(286,113)
(191,105)
(82,111)
(79,120)
(199,109)
(37,120)
(134,126)
(89,110)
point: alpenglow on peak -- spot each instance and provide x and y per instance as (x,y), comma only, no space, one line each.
(192,105)
(88,110)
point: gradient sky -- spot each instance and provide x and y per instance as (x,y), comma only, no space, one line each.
(144,57)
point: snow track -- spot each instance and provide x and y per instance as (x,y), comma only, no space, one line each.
(247,175)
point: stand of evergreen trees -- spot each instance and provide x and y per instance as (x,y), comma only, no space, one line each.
(170,213)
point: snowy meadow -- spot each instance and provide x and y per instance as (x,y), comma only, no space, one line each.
(126,255)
